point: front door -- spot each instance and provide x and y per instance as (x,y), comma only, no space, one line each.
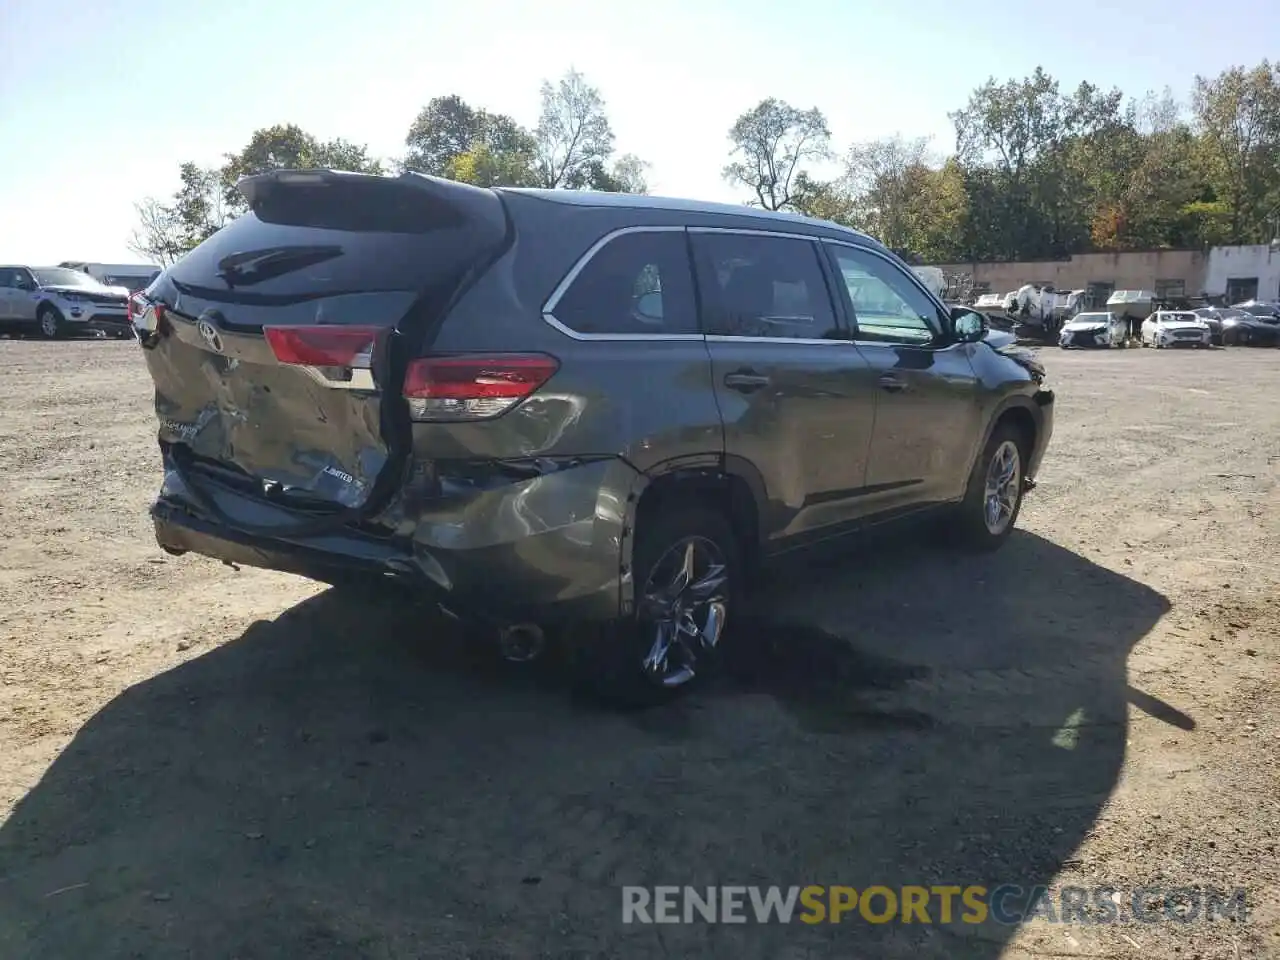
(24,300)
(928,410)
(796,397)
(8,282)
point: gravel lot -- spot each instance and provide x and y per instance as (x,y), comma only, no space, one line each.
(201,762)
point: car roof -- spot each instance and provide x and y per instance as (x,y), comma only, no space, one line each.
(624,201)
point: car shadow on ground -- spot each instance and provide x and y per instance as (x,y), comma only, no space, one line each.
(353,780)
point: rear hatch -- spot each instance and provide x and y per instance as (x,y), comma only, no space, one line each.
(279,346)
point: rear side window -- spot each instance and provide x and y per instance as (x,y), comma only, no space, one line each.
(637,283)
(762,286)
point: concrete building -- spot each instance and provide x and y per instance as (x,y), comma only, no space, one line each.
(1243,273)
(1169,273)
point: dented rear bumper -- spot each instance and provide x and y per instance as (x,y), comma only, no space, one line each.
(551,548)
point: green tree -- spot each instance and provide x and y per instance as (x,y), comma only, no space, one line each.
(1010,129)
(1237,115)
(286,147)
(207,198)
(883,178)
(772,142)
(935,218)
(485,166)
(629,174)
(157,236)
(574,137)
(825,200)
(450,138)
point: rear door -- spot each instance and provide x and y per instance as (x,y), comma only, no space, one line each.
(279,344)
(796,398)
(929,409)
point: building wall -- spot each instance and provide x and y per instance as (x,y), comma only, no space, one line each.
(1140,270)
(1258,262)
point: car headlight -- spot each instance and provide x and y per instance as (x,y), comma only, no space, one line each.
(71,297)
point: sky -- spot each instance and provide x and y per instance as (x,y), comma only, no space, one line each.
(100,102)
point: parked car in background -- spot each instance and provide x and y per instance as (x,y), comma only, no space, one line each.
(567,413)
(57,301)
(1175,328)
(1095,329)
(1242,328)
(1213,317)
(132,276)
(1260,308)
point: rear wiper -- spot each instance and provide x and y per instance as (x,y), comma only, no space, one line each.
(255,266)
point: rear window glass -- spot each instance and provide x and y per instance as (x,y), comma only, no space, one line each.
(360,264)
(266,259)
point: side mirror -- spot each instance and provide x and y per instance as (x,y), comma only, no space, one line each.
(970,326)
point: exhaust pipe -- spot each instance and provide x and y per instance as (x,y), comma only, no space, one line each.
(522,642)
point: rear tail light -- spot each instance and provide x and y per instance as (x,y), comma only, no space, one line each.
(329,346)
(455,388)
(144,315)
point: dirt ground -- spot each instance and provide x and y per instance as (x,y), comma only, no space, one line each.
(202,762)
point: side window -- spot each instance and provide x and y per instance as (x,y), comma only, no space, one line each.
(637,283)
(887,305)
(8,278)
(761,286)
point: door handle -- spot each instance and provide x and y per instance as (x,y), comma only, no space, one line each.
(891,383)
(745,381)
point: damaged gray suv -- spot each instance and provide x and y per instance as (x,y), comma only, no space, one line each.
(591,414)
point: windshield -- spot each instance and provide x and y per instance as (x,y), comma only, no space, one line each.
(63,277)
(1091,318)
(1258,309)
(1179,318)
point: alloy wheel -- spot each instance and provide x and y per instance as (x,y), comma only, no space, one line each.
(49,323)
(1004,478)
(682,610)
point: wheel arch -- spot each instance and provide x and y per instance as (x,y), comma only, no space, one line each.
(1021,412)
(728,485)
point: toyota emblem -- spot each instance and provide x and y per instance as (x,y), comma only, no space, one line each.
(209,334)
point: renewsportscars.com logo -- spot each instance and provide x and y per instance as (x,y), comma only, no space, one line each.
(1007,904)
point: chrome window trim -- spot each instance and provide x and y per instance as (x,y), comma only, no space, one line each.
(756,232)
(548,308)
(911,277)
(812,341)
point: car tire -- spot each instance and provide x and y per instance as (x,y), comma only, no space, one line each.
(992,478)
(50,322)
(622,663)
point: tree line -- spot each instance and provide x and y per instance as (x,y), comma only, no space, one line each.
(1036,172)
(572,147)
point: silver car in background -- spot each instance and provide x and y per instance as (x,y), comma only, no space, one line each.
(58,301)
(1175,328)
